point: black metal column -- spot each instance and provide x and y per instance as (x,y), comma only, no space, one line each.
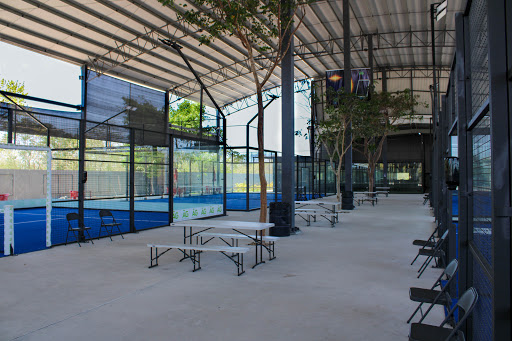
(171,178)
(443,132)
(348,194)
(385,145)
(10,125)
(224,160)
(170,163)
(247,173)
(501,170)
(275,176)
(370,57)
(385,161)
(201,113)
(81,153)
(465,147)
(132,181)
(312,143)
(288,179)
(384,80)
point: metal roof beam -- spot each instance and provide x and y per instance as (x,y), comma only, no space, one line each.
(161,34)
(107,61)
(129,15)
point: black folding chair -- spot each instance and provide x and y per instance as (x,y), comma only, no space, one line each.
(301,194)
(108,221)
(432,295)
(430,242)
(427,332)
(426,198)
(431,253)
(74,225)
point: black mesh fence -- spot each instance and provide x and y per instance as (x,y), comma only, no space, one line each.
(151,181)
(108,148)
(478,35)
(64,143)
(126,104)
(482,314)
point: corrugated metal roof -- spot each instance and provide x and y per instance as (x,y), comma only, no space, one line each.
(121,38)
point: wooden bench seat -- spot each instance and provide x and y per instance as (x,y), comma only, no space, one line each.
(194,253)
(238,236)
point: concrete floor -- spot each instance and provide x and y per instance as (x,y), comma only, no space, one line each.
(345,283)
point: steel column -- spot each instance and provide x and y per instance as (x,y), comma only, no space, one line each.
(201,113)
(224,159)
(171,178)
(385,161)
(370,57)
(170,163)
(288,137)
(468,104)
(501,170)
(348,195)
(385,145)
(132,181)
(10,125)
(81,153)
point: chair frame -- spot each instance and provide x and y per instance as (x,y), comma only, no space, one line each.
(434,252)
(467,302)
(430,242)
(106,213)
(81,227)
(450,271)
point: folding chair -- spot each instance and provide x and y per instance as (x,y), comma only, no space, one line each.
(301,194)
(108,220)
(76,227)
(426,198)
(430,242)
(431,253)
(433,296)
(427,332)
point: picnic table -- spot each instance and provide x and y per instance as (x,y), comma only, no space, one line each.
(383,190)
(192,228)
(328,210)
(366,196)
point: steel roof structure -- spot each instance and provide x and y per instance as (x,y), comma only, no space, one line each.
(123,38)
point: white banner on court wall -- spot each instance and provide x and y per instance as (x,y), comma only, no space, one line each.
(198,212)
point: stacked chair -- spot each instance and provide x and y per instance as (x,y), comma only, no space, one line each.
(438,295)
(427,332)
(434,252)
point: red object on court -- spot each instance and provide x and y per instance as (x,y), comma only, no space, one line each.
(73,194)
(4,196)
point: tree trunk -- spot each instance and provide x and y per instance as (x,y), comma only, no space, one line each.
(371,171)
(338,185)
(261,160)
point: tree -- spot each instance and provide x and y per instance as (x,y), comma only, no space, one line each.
(261,28)
(14,87)
(379,118)
(339,128)
(186,115)
(23,159)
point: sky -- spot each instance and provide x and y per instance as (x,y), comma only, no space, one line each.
(50,78)
(44,77)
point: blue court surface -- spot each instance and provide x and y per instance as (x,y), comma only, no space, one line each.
(30,223)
